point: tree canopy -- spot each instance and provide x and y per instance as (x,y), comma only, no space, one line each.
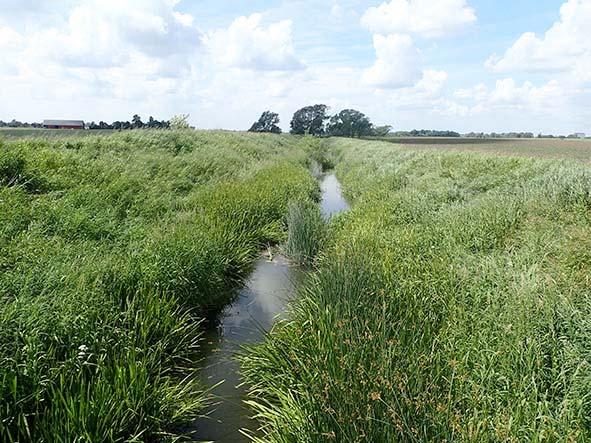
(267,123)
(309,120)
(350,123)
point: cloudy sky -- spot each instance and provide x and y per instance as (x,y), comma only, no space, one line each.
(466,65)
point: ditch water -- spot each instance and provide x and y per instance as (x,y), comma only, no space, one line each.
(260,302)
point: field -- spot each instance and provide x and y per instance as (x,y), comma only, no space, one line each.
(17,133)
(112,250)
(450,303)
(574,149)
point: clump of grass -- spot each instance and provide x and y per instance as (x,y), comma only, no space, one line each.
(450,304)
(306,231)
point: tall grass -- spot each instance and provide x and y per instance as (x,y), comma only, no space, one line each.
(450,304)
(112,249)
(306,231)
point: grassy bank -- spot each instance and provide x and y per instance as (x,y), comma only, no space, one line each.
(112,248)
(450,304)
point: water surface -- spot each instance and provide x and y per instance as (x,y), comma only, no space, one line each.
(261,301)
(332,198)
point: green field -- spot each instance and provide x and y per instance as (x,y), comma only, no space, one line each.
(17,133)
(451,303)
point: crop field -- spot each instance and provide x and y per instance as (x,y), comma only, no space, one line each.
(450,303)
(575,149)
(18,133)
(111,251)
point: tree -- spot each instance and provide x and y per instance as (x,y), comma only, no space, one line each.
(382,131)
(180,121)
(136,122)
(267,123)
(309,120)
(350,123)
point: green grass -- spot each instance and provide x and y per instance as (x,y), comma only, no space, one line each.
(112,249)
(306,231)
(569,149)
(452,303)
(19,133)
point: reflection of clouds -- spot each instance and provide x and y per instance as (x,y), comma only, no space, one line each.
(269,289)
(332,198)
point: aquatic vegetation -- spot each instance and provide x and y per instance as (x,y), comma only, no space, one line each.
(450,304)
(306,231)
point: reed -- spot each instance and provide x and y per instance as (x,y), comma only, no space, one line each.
(306,231)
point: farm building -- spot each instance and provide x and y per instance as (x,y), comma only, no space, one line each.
(63,124)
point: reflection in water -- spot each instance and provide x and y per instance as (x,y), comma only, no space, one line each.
(258,304)
(332,198)
(265,295)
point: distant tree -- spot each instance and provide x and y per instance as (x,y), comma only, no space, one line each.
(382,131)
(309,120)
(136,122)
(267,123)
(349,123)
(180,121)
(428,133)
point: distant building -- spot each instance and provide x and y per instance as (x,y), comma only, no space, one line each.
(63,124)
(580,134)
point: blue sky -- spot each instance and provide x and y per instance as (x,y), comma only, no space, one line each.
(466,65)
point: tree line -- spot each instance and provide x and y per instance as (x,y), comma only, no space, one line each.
(500,135)
(315,120)
(17,124)
(135,123)
(176,122)
(426,133)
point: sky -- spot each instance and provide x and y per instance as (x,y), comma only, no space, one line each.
(464,65)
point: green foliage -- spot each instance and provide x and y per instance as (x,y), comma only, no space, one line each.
(450,304)
(309,120)
(267,122)
(180,121)
(106,274)
(306,231)
(349,123)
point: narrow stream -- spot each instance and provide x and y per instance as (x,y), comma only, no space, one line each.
(259,303)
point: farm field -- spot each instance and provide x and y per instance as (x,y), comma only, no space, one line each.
(451,303)
(17,133)
(573,149)
(112,250)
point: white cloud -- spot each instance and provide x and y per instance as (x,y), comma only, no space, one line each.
(432,83)
(397,62)
(425,18)
(508,94)
(9,39)
(249,45)
(566,46)
(337,10)
(106,33)
(478,93)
